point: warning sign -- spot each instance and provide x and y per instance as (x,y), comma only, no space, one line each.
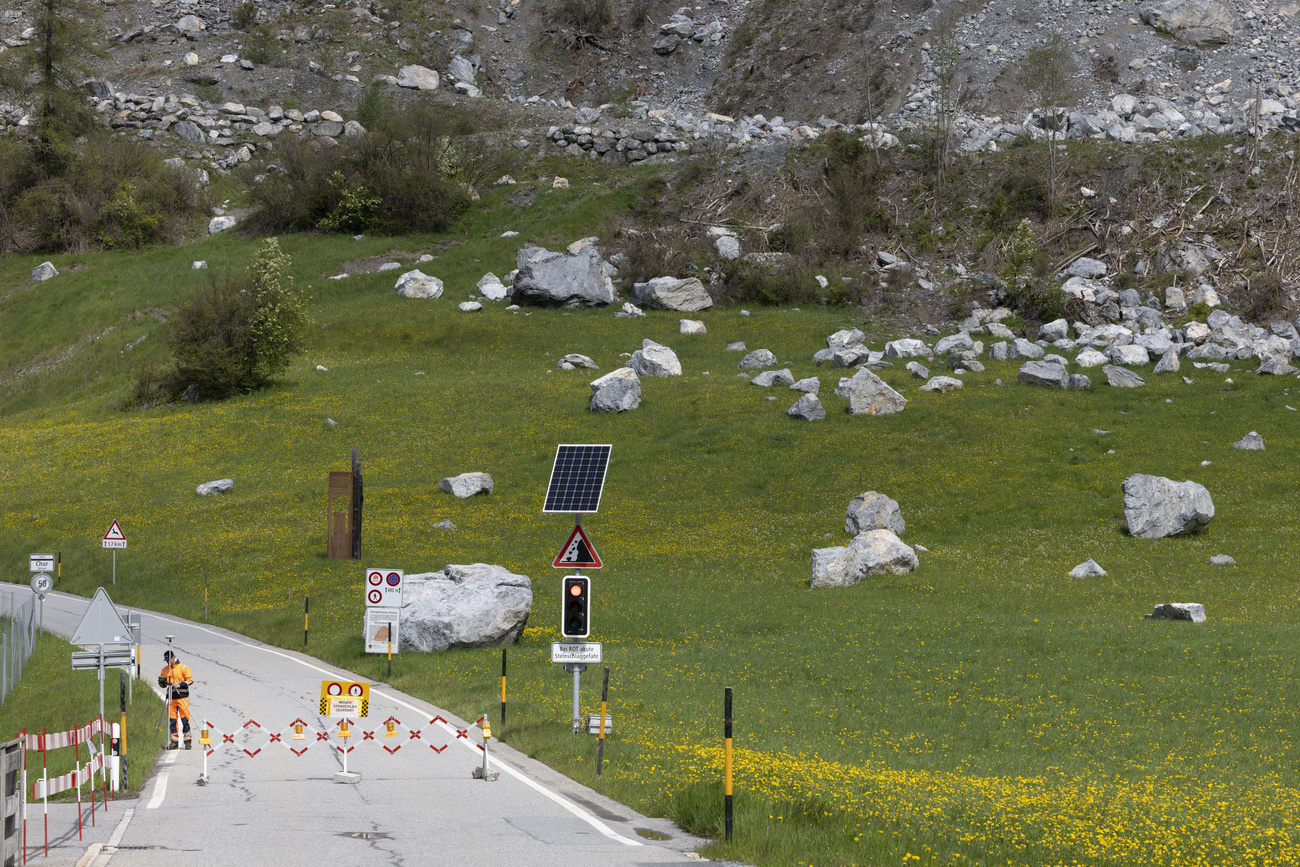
(577,553)
(344,698)
(115,538)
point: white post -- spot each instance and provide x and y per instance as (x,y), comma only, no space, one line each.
(115,762)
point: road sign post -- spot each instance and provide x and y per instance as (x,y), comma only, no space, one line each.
(114,539)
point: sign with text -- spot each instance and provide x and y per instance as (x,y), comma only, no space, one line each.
(586,652)
(344,698)
(41,562)
(381,629)
(115,538)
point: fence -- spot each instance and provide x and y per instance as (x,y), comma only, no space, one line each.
(101,760)
(16,644)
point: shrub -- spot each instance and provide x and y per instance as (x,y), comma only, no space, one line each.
(235,334)
(586,16)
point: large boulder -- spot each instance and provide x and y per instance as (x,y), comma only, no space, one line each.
(669,293)
(655,359)
(1182,258)
(418,78)
(1047,373)
(616,391)
(466,485)
(874,511)
(1122,377)
(1200,22)
(464,606)
(220,486)
(1193,611)
(873,553)
(868,394)
(550,279)
(807,408)
(1156,507)
(758,358)
(44,271)
(417,284)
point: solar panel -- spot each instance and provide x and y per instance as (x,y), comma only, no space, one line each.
(577,478)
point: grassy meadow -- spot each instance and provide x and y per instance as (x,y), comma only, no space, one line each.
(986,709)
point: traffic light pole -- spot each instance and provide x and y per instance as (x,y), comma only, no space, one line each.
(577,668)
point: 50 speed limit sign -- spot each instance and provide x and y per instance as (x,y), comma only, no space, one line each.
(384,588)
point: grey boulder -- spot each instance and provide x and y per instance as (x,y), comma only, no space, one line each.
(479,605)
(552,279)
(1200,22)
(807,408)
(773,377)
(44,271)
(758,358)
(1156,507)
(669,293)
(466,485)
(1088,569)
(873,553)
(617,391)
(1122,377)
(942,384)
(1047,373)
(655,359)
(417,284)
(1193,611)
(1251,442)
(220,486)
(868,394)
(874,511)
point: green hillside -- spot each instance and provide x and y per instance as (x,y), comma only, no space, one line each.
(986,709)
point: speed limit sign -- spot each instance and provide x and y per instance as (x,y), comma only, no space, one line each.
(42,584)
(383,587)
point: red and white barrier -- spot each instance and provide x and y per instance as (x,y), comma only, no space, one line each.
(47,785)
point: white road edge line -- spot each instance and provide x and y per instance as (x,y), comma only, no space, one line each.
(99,853)
(533,784)
(159,791)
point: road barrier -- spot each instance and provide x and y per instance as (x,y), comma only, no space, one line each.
(11,791)
(251,739)
(99,760)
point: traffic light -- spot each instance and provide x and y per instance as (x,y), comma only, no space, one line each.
(575,608)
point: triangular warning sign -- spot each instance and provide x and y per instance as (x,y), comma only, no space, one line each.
(101,624)
(115,533)
(577,553)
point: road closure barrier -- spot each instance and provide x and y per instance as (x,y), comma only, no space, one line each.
(98,760)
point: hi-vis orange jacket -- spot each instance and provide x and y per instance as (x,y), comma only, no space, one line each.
(177,672)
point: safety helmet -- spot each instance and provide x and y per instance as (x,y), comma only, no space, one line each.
(168,656)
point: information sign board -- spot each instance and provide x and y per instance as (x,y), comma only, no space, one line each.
(344,698)
(382,629)
(384,587)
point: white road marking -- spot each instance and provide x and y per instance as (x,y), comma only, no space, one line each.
(98,854)
(159,790)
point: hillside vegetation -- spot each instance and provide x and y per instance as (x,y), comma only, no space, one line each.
(986,708)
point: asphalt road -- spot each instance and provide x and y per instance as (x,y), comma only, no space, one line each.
(416,803)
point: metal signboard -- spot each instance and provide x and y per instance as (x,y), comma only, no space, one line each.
(382,629)
(115,538)
(42,584)
(114,657)
(585,652)
(384,587)
(41,562)
(577,553)
(101,624)
(344,698)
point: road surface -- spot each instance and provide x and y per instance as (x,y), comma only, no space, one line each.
(416,805)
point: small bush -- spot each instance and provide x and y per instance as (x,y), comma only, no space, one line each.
(245,15)
(237,333)
(587,16)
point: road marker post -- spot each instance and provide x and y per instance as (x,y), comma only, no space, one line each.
(726,762)
(604,705)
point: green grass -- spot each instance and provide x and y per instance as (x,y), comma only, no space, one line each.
(52,697)
(985,709)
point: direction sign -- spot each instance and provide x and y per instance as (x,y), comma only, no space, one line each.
(344,698)
(41,562)
(577,553)
(584,652)
(115,538)
(42,584)
(113,657)
(101,624)
(384,587)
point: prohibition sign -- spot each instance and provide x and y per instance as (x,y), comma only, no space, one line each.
(375,596)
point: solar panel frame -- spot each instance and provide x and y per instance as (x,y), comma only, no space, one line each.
(577,478)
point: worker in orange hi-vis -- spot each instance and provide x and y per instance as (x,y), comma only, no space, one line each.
(176,679)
